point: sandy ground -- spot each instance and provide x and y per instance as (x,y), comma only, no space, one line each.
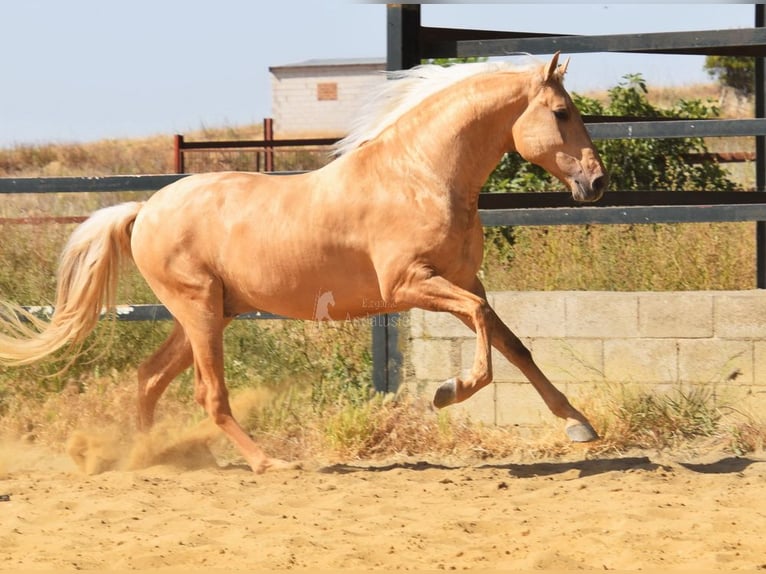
(625,512)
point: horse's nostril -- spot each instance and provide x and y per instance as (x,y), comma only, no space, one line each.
(599,184)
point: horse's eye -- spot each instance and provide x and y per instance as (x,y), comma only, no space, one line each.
(561,113)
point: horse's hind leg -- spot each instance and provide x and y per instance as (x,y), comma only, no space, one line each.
(199,310)
(206,338)
(157,372)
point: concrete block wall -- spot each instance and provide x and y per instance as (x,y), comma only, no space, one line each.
(584,338)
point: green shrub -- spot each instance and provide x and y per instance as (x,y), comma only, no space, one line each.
(732,71)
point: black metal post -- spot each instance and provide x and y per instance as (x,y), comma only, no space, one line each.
(760,154)
(403,52)
(268,136)
(178,153)
(403,41)
(386,355)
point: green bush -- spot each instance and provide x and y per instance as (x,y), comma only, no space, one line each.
(732,71)
(655,164)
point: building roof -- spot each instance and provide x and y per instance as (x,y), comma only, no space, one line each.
(331,62)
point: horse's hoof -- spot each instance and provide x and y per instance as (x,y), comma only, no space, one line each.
(275,464)
(446,394)
(581,432)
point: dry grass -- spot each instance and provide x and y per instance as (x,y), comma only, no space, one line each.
(287,422)
(659,257)
(150,155)
(730,104)
(108,157)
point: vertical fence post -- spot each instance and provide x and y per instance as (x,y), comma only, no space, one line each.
(178,151)
(386,355)
(403,52)
(268,135)
(760,154)
(403,38)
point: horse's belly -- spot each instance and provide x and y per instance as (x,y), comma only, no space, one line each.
(301,289)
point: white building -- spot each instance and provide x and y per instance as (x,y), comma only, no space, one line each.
(319,98)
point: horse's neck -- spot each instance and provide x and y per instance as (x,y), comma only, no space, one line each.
(461,134)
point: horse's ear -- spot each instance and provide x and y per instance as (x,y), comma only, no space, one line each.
(563,68)
(550,67)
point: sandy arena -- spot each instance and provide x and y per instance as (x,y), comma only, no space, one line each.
(634,511)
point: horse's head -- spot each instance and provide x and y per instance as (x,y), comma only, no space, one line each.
(550,133)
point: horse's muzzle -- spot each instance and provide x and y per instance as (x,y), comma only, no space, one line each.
(589,191)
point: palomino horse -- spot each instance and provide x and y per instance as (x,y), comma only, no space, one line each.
(390,224)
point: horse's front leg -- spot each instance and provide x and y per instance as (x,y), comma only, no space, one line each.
(439,294)
(577,427)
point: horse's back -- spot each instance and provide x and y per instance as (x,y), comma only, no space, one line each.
(275,243)
(215,201)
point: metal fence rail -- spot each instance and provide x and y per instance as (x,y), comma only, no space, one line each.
(446,43)
(145,312)
(496,209)
(86,184)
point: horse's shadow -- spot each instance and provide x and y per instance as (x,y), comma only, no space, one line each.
(728,465)
(518,470)
(585,468)
(342,468)
(589,467)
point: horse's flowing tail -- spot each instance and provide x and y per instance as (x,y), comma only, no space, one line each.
(87,283)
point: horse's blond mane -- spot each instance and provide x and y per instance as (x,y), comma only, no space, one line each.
(409,89)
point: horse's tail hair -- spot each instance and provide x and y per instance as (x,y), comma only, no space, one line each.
(86,285)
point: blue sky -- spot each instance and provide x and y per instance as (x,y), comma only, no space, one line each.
(82,70)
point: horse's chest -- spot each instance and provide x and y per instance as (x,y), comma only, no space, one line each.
(460,252)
